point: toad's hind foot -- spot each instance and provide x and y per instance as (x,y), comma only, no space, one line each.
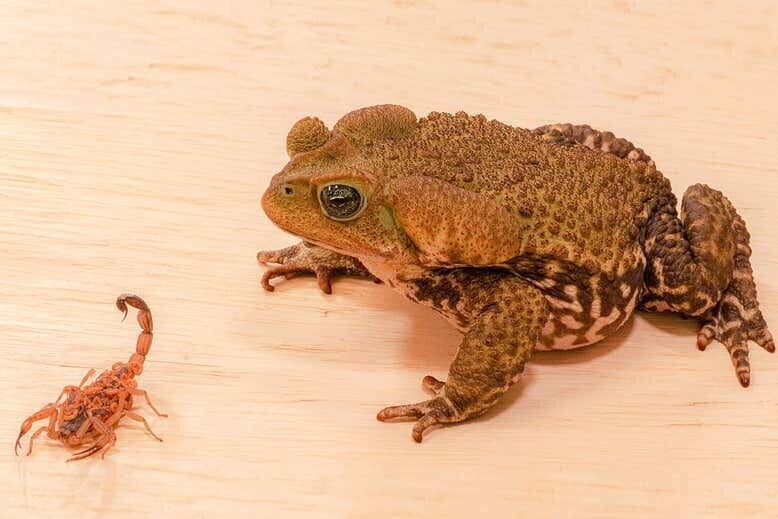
(736,318)
(728,324)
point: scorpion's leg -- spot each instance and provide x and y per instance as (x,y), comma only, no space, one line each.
(79,437)
(82,431)
(86,377)
(106,439)
(107,432)
(49,411)
(66,390)
(120,410)
(123,411)
(144,394)
(139,418)
(306,258)
(83,454)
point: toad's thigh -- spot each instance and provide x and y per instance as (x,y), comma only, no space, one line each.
(588,318)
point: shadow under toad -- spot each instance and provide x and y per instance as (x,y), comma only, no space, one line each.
(431,343)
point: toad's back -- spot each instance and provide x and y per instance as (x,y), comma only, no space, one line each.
(576,204)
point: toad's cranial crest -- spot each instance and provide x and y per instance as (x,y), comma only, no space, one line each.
(523,239)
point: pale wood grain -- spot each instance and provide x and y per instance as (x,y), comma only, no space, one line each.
(135,139)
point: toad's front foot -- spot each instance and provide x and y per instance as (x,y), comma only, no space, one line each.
(305,258)
(438,410)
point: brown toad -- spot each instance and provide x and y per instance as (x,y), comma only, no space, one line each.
(546,239)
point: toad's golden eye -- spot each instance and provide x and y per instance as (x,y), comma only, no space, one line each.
(341,202)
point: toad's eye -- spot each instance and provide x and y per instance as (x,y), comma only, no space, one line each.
(341,202)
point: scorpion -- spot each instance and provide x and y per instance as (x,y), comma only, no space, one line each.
(87,415)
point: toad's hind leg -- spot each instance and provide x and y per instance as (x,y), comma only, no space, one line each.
(736,318)
(699,265)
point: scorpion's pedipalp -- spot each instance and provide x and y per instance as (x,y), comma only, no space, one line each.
(48,411)
(18,444)
(22,432)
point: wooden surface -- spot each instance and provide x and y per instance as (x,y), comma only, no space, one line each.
(135,140)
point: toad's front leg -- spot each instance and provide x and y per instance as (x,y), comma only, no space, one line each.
(490,359)
(306,258)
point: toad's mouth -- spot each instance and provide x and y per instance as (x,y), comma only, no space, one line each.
(313,241)
(305,236)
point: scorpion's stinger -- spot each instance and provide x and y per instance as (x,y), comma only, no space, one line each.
(122,306)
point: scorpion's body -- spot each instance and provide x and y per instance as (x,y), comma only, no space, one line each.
(88,414)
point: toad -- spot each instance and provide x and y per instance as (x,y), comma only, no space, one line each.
(524,240)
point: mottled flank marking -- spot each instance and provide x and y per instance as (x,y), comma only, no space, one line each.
(593,333)
(574,306)
(578,320)
(571,322)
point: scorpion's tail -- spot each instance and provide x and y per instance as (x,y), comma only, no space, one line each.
(147,325)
